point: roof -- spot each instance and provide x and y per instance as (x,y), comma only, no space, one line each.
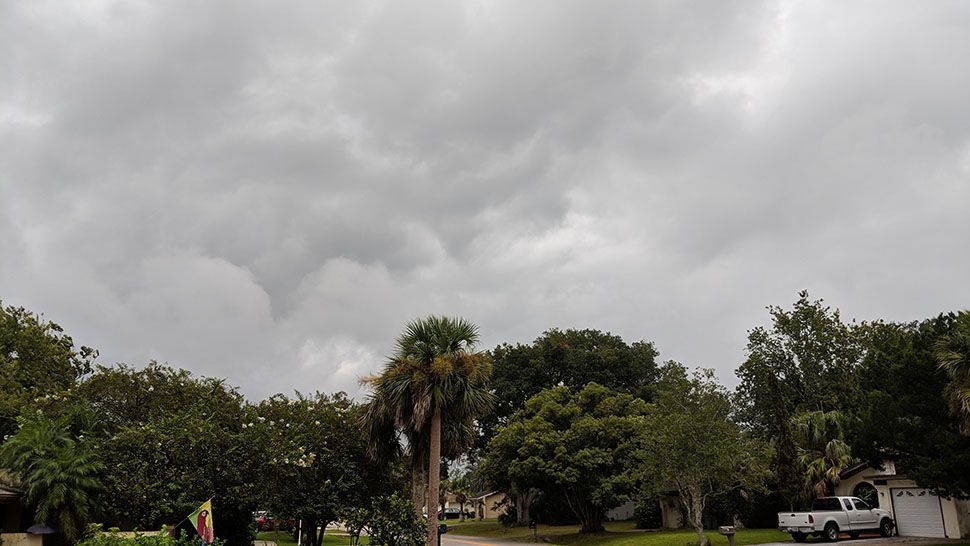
(10,492)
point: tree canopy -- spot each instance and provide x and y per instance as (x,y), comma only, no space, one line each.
(578,445)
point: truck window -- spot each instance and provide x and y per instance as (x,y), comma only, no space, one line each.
(861,505)
(848,505)
(826,504)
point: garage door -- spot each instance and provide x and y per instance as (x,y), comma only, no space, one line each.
(918,512)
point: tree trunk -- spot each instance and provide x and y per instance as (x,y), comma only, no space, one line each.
(417,486)
(434,477)
(695,514)
(461,516)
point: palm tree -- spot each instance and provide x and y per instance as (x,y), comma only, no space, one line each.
(953,354)
(435,376)
(822,450)
(59,476)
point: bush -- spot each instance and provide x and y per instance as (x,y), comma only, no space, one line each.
(648,514)
(393,523)
(94,537)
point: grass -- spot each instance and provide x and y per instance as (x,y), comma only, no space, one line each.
(330,538)
(618,533)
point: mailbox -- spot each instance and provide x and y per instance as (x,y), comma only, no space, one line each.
(728,531)
(442,528)
(532,524)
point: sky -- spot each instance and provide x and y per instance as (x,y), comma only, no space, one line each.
(267,192)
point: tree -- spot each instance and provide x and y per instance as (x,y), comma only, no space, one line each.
(805,362)
(435,375)
(392,523)
(314,458)
(578,445)
(571,358)
(822,450)
(904,416)
(691,443)
(60,475)
(37,359)
(170,441)
(952,351)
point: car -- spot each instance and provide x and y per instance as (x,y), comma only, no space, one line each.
(267,522)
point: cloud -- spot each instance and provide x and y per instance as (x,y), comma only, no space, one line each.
(268,193)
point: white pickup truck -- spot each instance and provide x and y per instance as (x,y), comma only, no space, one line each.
(833,515)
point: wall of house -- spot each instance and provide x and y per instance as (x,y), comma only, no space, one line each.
(491,508)
(21,539)
(670,514)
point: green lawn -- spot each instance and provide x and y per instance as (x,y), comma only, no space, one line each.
(618,533)
(330,538)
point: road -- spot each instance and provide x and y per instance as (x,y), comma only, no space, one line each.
(459,540)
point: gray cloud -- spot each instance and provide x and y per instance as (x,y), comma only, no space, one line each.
(267,193)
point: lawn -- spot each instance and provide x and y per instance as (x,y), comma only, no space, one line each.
(618,533)
(330,538)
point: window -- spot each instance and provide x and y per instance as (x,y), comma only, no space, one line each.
(867,492)
(860,505)
(848,505)
(826,504)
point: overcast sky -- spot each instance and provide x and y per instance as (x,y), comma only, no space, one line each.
(268,191)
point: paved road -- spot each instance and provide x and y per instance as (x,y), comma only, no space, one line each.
(459,540)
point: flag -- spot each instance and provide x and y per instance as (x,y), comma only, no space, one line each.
(201,519)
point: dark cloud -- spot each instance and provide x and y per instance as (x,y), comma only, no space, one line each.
(267,192)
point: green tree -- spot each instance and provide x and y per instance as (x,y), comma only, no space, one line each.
(804,362)
(37,359)
(691,443)
(435,375)
(578,445)
(952,351)
(169,441)
(392,523)
(571,358)
(822,450)
(904,416)
(314,458)
(60,475)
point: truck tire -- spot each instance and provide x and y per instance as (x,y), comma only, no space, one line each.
(799,537)
(831,532)
(886,527)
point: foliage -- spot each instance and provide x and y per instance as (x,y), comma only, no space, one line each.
(37,359)
(691,443)
(170,441)
(905,416)
(571,358)
(435,381)
(822,450)
(952,351)
(393,523)
(578,445)
(59,475)
(94,537)
(804,362)
(648,513)
(314,462)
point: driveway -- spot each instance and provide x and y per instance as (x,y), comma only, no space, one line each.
(877,541)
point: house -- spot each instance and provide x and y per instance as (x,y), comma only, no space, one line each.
(14,519)
(488,505)
(916,510)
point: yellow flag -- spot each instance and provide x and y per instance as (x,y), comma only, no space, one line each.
(201,519)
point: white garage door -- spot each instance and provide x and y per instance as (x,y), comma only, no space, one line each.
(918,512)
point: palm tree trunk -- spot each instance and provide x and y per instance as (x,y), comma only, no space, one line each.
(434,477)
(418,486)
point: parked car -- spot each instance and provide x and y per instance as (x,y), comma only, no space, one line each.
(268,522)
(833,515)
